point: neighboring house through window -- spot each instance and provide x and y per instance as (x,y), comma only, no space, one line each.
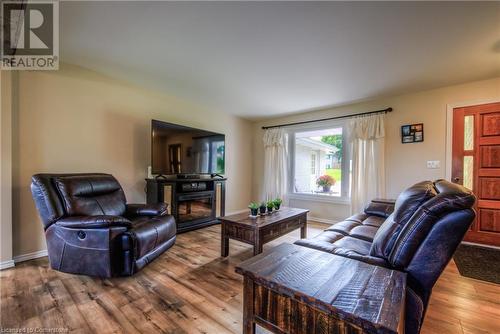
(316,152)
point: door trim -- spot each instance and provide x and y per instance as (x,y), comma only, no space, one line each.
(449,128)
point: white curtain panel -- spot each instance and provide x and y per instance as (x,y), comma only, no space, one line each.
(275,163)
(366,135)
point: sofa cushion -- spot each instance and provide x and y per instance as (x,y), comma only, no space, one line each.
(323,241)
(344,227)
(359,217)
(406,204)
(348,245)
(339,244)
(374,221)
(364,232)
(91,195)
(362,227)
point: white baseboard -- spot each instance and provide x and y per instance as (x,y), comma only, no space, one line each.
(323,220)
(30,256)
(480,245)
(6,264)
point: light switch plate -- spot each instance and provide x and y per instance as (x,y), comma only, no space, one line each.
(433,164)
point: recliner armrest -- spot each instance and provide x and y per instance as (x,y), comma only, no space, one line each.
(380,207)
(101,221)
(151,210)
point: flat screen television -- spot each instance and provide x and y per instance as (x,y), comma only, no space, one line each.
(177,149)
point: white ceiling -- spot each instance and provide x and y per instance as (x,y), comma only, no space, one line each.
(262,59)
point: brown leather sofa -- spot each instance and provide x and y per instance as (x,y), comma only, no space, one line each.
(416,234)
(91,230)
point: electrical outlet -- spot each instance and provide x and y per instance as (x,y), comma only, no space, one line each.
(433,164)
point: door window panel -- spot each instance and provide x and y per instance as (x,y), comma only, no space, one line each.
(468,171)
(469,133)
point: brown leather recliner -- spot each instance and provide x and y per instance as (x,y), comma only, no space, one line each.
(91,230)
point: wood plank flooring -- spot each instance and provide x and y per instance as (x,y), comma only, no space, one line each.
(190,289)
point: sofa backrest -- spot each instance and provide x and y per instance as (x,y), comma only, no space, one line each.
(58,195)
(406,204)
(450,198)
(422,240)
(91,195)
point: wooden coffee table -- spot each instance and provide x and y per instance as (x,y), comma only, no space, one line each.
(258,231)
(295,289)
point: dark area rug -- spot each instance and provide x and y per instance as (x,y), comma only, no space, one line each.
(478,262)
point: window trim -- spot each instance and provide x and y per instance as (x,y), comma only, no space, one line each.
(344,197)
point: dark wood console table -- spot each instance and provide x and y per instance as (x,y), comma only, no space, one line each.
(295,289)
(257,231)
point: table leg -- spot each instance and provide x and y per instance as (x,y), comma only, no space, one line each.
(303,229)
(248,311)
(224,242)
(257,249)
(257,245)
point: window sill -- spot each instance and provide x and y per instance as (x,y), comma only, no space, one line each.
(320,198)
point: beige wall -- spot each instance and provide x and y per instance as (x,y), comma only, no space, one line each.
(6,79)
(405,163)
(74,120)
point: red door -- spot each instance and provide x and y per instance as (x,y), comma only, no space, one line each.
(476,165)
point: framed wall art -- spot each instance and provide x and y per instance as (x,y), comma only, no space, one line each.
(412,133)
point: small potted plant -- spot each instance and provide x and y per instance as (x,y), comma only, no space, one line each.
(254,209)
(270,206)
(262,208)
(326,182)
(277,203)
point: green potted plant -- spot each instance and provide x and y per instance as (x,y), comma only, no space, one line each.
(270,206)
(262,208)
(254,209)
(326,182)
(277,203)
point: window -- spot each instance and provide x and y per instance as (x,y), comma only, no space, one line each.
(318,163)
(313,163)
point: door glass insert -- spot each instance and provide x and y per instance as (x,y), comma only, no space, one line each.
(469,133)
(468,171)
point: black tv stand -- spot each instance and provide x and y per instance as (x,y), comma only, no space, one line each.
(194,203)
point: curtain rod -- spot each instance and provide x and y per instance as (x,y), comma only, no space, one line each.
(386,110)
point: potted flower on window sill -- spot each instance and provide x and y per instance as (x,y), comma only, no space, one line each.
(262,208)
(326,182)
(277,203)
(254,209)
(270,206)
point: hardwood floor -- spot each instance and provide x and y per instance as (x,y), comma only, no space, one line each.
(190,289)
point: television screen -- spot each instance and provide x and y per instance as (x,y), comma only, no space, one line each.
(177,149)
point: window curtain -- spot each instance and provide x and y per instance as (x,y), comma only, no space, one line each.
(275,163)
(366,137)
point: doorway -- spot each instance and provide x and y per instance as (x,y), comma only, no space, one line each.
(476,165)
